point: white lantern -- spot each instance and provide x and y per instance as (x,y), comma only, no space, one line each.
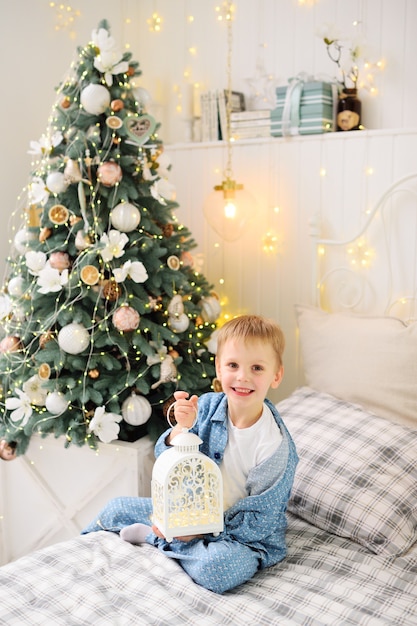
(125,217)
(187,490)
(136,410)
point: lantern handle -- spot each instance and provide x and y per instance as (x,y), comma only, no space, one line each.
(173,425)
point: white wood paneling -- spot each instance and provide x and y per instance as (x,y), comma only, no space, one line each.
(51,493)
(358,167)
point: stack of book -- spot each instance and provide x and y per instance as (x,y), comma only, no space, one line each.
(243,124)
(250,124)
(209,112)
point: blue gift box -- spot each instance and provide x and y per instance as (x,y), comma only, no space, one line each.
(304,108)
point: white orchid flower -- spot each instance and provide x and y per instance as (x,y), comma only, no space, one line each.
(146,172)
(35,261)
(20,407)
(34,390)
(37,191)
(105,425)
(329,32)
(5,306)
(164,165)
(46,144)
(162,189)
(132,269)
(51,279)
(165,189)
(113,245)
(108,61)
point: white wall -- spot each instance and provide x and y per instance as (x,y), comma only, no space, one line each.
(279,172)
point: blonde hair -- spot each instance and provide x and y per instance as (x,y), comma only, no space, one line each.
(253,327)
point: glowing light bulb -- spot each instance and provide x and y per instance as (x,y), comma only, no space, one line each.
(230,210)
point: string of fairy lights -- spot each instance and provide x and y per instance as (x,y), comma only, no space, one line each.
(271,243)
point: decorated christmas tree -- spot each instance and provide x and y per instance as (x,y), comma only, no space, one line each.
(104,312)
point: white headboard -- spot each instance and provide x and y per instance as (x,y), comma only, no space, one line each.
(374,272)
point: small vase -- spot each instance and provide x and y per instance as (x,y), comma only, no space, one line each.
(349,110)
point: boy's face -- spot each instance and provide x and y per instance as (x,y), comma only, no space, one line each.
(247,370)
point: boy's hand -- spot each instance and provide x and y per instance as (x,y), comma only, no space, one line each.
(186,539)
(185,411)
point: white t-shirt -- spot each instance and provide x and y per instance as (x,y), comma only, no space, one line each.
(246,448)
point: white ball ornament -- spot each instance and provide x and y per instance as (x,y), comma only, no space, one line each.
(125,217)
(56,402)
(15,286)
(136,410)
(56,182)
(95,99)
(73,338)
(22,240)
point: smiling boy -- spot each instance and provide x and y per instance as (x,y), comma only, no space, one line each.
(244,434)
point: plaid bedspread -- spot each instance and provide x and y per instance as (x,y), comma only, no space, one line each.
(100,580)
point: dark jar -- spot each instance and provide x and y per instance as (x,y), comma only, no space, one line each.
(349,110)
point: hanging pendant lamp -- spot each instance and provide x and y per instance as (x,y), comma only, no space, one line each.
(229,208)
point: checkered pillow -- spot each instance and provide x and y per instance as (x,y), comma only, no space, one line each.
(357,475)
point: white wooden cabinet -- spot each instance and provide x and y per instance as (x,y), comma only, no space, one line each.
(50,493)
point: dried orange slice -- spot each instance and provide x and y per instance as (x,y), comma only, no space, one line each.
(90,275)
(58,214)
(114,122)
(44,371)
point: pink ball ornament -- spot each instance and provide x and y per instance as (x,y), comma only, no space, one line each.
(126,319)
(11,343)
(187,259)
(109,173)
(59,261)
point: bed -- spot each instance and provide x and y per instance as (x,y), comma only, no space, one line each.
(352,516)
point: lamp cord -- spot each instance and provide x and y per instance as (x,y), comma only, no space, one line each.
(229,17)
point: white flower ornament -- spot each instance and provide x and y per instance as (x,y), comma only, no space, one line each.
(132,269)
(20,407)
(35,262)
(34,390)
(113,245)
(46,144)
(51,280)
(108,61)
(105,425)
(38,192)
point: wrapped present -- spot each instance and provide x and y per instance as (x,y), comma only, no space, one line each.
(304,107)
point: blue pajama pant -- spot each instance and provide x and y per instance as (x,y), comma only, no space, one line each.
(216,564)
